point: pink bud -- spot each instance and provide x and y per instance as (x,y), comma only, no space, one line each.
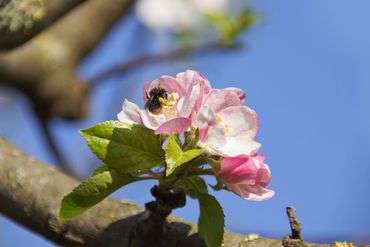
(247,176)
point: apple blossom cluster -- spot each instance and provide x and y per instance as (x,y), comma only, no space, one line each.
(227,128)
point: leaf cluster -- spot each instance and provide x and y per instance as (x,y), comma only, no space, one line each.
(132,153)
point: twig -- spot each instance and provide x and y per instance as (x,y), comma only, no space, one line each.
(45,128)
(295,226)
(145,60)
(296,239)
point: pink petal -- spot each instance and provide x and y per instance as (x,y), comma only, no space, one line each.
(263,176)
(251,193)
(191,77)
(168,83)
(176,125)
(246,176)
(218,99)
(239,168)
(203,134)
(192,97)
(197,88)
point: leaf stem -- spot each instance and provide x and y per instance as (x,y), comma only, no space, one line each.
(145,178)
(201,172)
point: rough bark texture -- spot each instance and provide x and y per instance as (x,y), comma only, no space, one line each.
(31,192)
(45,68)
(20,20)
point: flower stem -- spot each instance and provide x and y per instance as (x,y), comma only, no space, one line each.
(201,172)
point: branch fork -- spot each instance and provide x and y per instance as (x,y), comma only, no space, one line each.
(151,225)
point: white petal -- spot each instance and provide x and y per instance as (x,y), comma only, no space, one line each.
(150,120)
(174,15)
(212,5)
(215,140)
(242,191)
(130,113)
(235,134)
(242,120)
(237,145)
(264,195)
(206,117)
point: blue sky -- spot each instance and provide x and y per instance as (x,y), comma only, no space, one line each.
(305,69)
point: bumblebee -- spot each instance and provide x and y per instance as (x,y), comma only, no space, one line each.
(155,99)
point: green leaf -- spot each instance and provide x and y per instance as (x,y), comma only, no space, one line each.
(229,27)
(126,148)
(100,170)
(211,220)
(91,191)
(223,23)
(245,19)
(175,157)
(192,186)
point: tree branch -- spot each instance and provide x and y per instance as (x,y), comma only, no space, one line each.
(31,192)
(61,161)
(45,68)
(145,60)
(20,20)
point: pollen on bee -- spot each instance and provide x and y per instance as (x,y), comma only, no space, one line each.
(170,101)
(157,111)
(168,104)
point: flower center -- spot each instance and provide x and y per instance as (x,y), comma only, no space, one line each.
(169,105)
(159,101)
(227,127)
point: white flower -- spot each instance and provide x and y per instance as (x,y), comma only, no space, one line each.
(178,15)
(227,127)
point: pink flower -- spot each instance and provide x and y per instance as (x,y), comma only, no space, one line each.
(171,103)
(246,176)
(227,127)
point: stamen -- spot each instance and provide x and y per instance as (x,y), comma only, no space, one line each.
(168,105)
(227,127)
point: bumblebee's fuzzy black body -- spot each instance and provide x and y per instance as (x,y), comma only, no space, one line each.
(153,103)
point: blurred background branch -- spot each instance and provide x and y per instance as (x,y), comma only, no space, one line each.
(145,60)
(21,20)
(45,68)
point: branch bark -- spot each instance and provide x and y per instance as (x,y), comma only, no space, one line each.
(45,68)
(31,192)
(20,20)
